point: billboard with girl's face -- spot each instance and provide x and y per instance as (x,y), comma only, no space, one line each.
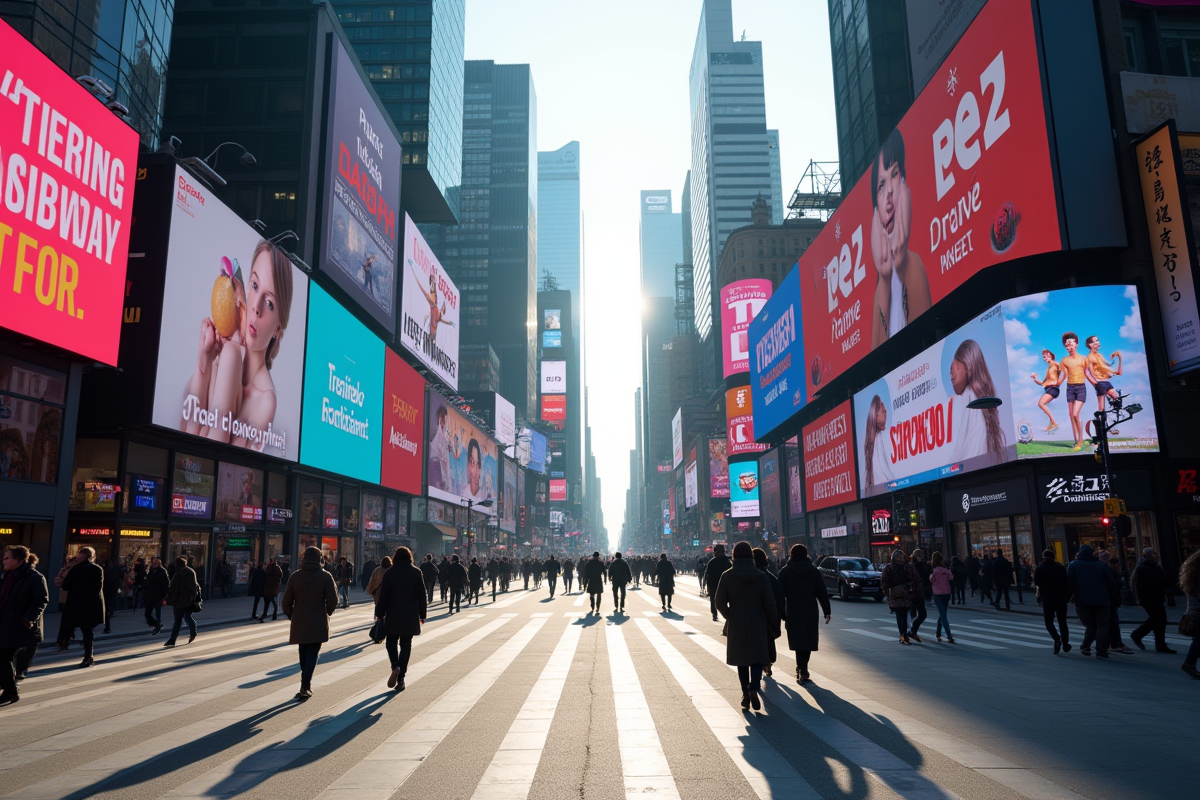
(462,459)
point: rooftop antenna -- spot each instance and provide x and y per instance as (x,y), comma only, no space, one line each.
(743,34)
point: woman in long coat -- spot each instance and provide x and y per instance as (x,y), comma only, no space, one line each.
(84,585)
(901,583)
(761,562)
(664,572)
(401,606)
(803,588)
(745,600)
(309,601)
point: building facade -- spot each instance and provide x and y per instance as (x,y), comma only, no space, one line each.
(660,243)
(764,249)
(560,226)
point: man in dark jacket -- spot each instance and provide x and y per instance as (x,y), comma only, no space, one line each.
(619,576)
(272,580)
(84,585)
(712,576)
(364,577)
(974,567)
(258,579)
(443,570)
(23,598)
(402,608)
(1092,585)
(154,592)
(182,594)
(593,576)
(803,589)
(1150,584)
(429,573)
(345,579)
(457,577)
(1053,592)
(552,568)
(1002,578)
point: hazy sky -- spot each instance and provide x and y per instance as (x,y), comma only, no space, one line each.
(614,76)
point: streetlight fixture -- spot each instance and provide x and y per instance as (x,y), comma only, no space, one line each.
(470,533)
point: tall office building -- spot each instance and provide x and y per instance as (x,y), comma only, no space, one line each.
(660,243)
(776,178)
(560,225)
(124,43)
(492,253)
(730,157)
(413,54)
(872,82)
(561,401)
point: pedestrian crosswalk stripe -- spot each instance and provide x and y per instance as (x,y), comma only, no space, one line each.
(383,771)
(510,776)
(1076,625)
(1021,634)
(72,697)
(873,635)
(770,775)
(514,596)
(579,601)
(643,763)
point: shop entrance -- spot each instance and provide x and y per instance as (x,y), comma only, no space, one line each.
(191,545)
(1013,535)
(233,557)
(1071,531)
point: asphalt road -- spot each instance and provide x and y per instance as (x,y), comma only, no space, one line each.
(533,697)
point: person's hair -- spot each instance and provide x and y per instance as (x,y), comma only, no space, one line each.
(86,553)
(429,556)
(918,553)
(1049,554)
(402,556)
(441,413)
(385,562)
(892,152)
(617,554)
(663,557)
(869,443)
(32,559)
(1049,353)
(474,445)
(1090,339)
(454,558)
(898,556)
(798,551)
(718,548)
(937,560)
(596,554)
(20,552)
(979,380)
(1070,335)
(474,560)
(1104,556)
(181,562)
(1189,575)
(760,557)
(281,271)
(743,550)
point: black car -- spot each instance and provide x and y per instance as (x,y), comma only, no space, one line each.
(851,576)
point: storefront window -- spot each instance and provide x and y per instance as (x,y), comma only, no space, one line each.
(278,511)
(310,504)
(234,554)
(239,494)
(275,550)
(1188,526)
(373,514)
(138,543)
(350,510)
(31,418)
(98,538)
(192,487)
(145,480)
(332,507)
(328,545)
(94,475)
(192,545)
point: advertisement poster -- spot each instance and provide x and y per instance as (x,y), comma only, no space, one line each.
(554,409)
(795,478)
(429,319)
(552,319)
(558,491)
(677,439)
(1109,351)
(239,494)
(69,166)
(691,489)
(508,498)
(505,421)
(941,202)
(537,450)
(830,474)
(913,424)
(551,339)
(740,303)
(343,392)
(554,377)
(362,193)
(192,488)
(770,492)
(740,419)
(462,459)
(743,489)
(718,468)
(777,357)
(231,350)
(401,464)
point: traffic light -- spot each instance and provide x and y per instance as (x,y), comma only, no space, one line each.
(1122,526)
(1105,521)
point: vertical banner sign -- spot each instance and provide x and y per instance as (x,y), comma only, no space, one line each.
(718,469)
(403,424)
(1171,245)
(677,439)
(829,466)
(691,493)
(740,303)
(739,420)
(429,308)
(67,168)
(777,357)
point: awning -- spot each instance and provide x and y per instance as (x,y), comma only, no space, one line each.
(448,532)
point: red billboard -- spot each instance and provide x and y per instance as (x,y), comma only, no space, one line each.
(964,182)
(67,165)
(740,423)
(830,476)
(740,302)
(554,407)
(558,491)
(403,426)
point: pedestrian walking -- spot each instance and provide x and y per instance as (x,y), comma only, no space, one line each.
(309,601)
(1093,587)
(1115,642)
(429,573)
(84,585)
(114,577)
(373,585)
(664,573)
(345,579)
(713,571)
(401,608)
(804,592)
(762,564)
(959,571)
(619,576)
(443,571)
(1002,580)
(368,569)
(986,581)
(568,574)
(182,596)
(940,583)
(475,581)
(154,594)
(493,575)
(1053,591)
(920,611)
(1189,625)
(23,600)
(594,573)
(744,598)
(258,580)
(901,584)
(1150,585)
(552,568)
(272,579)
(457,578)
(974,571)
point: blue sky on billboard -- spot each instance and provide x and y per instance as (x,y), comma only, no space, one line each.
(777,386)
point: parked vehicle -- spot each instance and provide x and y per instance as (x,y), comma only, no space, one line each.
(849,577)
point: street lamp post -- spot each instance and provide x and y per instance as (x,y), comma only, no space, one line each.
(470,531)
(1121,413)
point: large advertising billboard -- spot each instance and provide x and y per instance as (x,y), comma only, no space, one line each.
(830,475)
(429,300)
(462,459)
(718,468)
(554,408)
(743,489)
(505,422)
(770,491)
(691,488)
(234,314)
(537,450)
(777,357)
(404,426)
(362,193)
(941,201)
(740,302)
(68,166)
(795,478)
(739,418)
(554,377)
(677,439)
(507,516)
(343,392)
(558,490)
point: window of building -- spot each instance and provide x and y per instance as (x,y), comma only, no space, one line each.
(94,474)
(32,400)
(350,511)
(331,517)
(193,485)
(310,504)
(239,494)
(145,480)
(276,499)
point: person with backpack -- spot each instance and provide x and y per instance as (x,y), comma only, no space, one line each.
(182,597)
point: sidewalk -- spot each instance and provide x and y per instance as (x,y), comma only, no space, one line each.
(1130,615)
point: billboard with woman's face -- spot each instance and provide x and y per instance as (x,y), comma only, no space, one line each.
(231,351)
(462,459)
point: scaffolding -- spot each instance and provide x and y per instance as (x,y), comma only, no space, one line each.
(818,193)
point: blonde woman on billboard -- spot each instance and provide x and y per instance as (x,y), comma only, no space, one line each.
(876,458)
(976,431)
(233,374)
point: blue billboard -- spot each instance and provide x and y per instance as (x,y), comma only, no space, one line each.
(537,452)
(551,339)
(777,386)
(342,413)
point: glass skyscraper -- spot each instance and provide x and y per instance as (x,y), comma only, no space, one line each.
(776,179)
(560,225)
(661,243)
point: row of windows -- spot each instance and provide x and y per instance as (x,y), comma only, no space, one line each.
(408,112)
(418,13)
(385,72)
(388,32)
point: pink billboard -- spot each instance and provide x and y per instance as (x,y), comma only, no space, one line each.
(740,302)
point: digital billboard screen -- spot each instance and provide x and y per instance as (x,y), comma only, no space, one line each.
(429,300)
(68,165)
(554,377)
(677,439)
(362,192)
(551,339)
(830,475)
(463,462)
(740,302)
(777,357)
(718,468)
(691,489)
(552,319)
(234,316)
(739,419)
(507,515)
(537,450)
(343,392)
(770,491)
(554,407)
(505,421)
(743,489)
(402,460)
(558,491)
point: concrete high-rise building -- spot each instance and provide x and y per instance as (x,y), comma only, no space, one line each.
(560,225)
(776,178)
(731,163)
(123,43)
(661,243)
(412,50)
